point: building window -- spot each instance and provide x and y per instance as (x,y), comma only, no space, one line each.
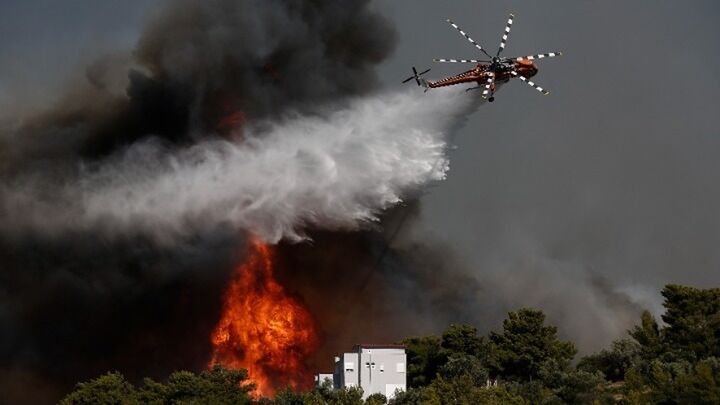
(400,367)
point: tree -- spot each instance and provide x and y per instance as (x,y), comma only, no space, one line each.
(525,344)
(347,396)
(463,339)
(693,320)
(323,395)
(110,389)
(582,387)
(570,386)
(647,334)
(460,344)
(679,382)
(459,390)
(287,397)
(376,399)
(678,362)
(463,364)
(424,358)
(216,386)
(702,384)
(613,363)
(153,392)
(534,392)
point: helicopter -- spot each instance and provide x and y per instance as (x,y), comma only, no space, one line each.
(487,73)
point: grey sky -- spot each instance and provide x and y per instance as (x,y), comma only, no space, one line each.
(44,43)
(612,179)
(629,129)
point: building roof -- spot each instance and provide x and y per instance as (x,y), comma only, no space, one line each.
(377,346)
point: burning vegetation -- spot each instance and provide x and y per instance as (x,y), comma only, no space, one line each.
(263,329)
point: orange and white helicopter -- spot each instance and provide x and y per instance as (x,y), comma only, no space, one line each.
(488,72)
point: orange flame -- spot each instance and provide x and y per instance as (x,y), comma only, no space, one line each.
(232,121)
(263,329)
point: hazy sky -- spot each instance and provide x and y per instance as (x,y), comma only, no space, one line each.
(612,179)
(622,152)
(45,42)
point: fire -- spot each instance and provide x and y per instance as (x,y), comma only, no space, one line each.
(263,329)
(232,121)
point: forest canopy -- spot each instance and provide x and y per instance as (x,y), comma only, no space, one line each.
(676,361)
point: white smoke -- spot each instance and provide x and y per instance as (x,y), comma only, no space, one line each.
(336,171)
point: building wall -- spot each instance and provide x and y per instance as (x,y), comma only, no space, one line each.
(374,369)
(347,371)
(382,370)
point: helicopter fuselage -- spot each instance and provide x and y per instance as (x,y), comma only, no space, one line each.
(482,71)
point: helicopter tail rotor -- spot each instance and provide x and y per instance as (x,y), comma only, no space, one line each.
(416,76)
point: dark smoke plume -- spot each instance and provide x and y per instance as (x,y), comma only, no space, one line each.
(200,62)
(75,303)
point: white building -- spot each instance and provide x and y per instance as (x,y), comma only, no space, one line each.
(375,368)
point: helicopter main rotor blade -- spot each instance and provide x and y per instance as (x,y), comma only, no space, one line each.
(488,84)
(461,61)
(530,83)
(468,38)
(539,56)
(503,42)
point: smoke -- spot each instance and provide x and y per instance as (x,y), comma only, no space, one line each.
(122,213)
(378,293)
(197,62)
(125,206)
